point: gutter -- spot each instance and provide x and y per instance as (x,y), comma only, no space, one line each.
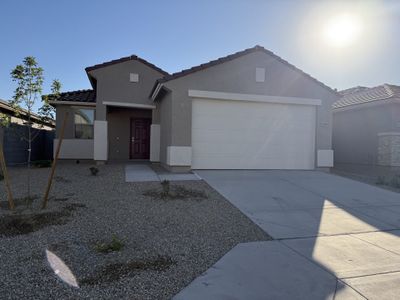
(156,89)
(53,103)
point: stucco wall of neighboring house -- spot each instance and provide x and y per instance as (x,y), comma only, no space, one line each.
(113,85)
(119,130)
(238,76)
(355,132)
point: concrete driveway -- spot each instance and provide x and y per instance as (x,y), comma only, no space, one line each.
(335,238)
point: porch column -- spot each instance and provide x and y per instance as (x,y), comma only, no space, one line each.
(155,142)
(100,151)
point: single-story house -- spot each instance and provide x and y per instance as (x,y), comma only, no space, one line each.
(13,137)
(366,126)
(248,110)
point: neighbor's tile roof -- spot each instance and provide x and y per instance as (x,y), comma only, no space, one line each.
(234,56)
(7,109)
(77,96)
(366,95)
(123,59)
(352,90)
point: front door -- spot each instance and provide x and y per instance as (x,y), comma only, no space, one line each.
(140,138)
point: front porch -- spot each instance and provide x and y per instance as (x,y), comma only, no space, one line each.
(126,134)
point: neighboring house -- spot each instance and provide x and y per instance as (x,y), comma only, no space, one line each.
(366,126)
(12,137)
(248,110)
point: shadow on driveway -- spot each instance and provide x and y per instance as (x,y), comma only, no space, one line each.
(335,239)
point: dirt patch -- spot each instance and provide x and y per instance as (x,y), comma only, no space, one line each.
(114,272)
(176,192)
(12,225)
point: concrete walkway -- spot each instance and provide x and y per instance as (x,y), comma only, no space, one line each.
(144,172)
(336,238)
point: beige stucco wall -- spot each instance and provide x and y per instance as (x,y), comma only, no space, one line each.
(355,132)
(238,76)
(113,85)
(165,113)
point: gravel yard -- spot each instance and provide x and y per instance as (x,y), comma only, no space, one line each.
(167,241)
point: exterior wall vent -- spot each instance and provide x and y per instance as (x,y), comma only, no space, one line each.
(260,74)
(134,77)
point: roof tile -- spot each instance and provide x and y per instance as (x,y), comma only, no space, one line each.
(123,59)
(366,95)
(231,57)
(77,96)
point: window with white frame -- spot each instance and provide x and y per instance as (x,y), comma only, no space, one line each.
(83,121)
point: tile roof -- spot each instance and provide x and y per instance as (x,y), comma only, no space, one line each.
(234,56)
(366,95)
(123,59)
(77,96)
(6,108)
(352,90)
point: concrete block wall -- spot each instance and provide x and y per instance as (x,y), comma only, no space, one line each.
(389,149)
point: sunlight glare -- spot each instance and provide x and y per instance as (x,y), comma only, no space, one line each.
(61,269)
(342,30)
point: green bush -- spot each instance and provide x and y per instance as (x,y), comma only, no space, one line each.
(114,245)
(42,163)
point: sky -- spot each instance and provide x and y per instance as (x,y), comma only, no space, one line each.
(67,36)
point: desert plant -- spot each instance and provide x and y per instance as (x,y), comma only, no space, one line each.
(115,245)
(165,188)
(93,171)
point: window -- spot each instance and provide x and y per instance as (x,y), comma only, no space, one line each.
(84,119)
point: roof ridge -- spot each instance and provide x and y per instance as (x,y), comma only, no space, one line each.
(230,57)
(123,59)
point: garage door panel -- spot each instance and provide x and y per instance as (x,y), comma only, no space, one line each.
(249,135)
(224,162)
(241,151)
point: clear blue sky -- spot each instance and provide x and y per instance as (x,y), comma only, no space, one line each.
(67,36)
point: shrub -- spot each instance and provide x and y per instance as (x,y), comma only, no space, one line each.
(166,188)
(94,171)
(42,163)
(114,245)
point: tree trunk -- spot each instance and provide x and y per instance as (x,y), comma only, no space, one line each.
(29,156)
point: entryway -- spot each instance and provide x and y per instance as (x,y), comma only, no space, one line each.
(128,133)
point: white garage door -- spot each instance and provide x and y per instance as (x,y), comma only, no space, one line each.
(252,135)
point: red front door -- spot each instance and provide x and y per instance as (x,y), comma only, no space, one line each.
(140,138)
